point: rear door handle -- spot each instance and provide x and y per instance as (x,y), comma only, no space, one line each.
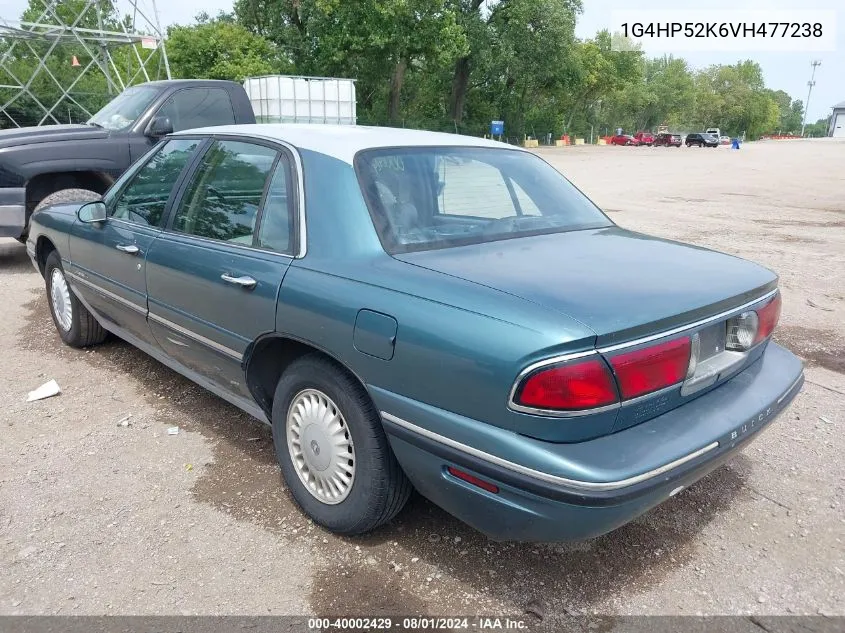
(243,281)
(128,248)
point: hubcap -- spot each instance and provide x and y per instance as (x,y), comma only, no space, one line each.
(60,298)
(320,446)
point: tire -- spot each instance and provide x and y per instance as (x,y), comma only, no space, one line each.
(378,489)
(63,195)
(82,329)
(68,195)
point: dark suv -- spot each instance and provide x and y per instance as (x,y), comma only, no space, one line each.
(667,139)
(702,140)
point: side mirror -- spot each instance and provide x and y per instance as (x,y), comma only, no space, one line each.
(92,212)
(159,126)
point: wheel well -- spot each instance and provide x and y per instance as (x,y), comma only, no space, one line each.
(267,360)
(43,248)
(42,185)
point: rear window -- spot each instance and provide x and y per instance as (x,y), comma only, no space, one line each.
(435,197)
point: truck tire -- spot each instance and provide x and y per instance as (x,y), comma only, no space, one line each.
(76,326)
(68,195)
(332,448)
(63,195)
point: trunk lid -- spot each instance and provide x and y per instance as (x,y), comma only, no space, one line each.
(621,284)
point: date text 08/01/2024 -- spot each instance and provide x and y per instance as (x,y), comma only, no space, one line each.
(418,623)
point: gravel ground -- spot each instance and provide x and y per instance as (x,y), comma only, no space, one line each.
(98,518)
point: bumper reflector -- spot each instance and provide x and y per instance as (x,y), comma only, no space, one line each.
(475,481)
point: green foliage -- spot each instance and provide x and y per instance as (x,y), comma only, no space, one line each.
(818,129)
(218,49)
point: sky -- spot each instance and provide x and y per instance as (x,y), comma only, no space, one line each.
(787,71)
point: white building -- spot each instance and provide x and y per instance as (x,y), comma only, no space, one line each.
(837,121)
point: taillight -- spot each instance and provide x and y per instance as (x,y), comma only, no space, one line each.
(768,317)
(589,383)
(651,368)
(585,384)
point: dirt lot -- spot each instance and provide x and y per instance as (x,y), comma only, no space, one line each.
(99,518)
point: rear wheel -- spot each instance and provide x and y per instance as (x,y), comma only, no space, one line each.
(77,327)
(332,449)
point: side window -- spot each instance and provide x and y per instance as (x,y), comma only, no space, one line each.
(144,199)
(198,107)
(222,199)
(463,182)
(274,231)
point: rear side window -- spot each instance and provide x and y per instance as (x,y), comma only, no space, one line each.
(222,199)
(422,198)
(275,231)
(198,107)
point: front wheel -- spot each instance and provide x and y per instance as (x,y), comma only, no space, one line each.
(60,196)
(332,449)
(77,327)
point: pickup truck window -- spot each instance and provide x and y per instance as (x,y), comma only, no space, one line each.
(122,111)
(224,194)
(198,107)
(145,197)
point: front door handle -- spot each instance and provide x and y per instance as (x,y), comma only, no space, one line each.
(128,248)
(243,281)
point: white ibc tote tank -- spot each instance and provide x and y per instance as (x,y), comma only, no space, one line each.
(290,99)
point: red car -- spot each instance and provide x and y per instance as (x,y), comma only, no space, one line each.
(624,139)
(645,138)
(668,140)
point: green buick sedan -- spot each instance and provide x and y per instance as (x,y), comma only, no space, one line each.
(415,310)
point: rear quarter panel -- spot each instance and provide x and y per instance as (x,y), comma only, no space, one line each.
(454,357)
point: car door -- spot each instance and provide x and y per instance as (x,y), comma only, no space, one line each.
(107,258)
(214,275)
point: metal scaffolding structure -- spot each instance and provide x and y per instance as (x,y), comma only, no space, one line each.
(139,32)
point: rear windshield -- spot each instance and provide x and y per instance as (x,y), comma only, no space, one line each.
(424,198)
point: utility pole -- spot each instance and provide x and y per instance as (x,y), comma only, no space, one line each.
(815,64)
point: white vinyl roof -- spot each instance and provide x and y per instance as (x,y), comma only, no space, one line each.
(344,141)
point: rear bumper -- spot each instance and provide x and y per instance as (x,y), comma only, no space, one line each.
(12,211)
(558,492)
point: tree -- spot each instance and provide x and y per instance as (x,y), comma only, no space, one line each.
(219,49)
(818,129)
(532,66)
(734,98)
